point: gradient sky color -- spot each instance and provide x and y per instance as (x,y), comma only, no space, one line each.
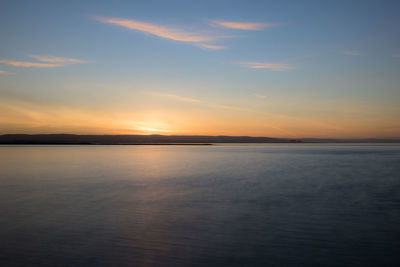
(260,68)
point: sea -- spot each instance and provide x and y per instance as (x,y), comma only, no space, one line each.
(183,205)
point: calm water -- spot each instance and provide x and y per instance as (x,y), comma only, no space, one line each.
(226,205)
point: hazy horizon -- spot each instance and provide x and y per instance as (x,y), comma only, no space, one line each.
(307,69)
(172,135)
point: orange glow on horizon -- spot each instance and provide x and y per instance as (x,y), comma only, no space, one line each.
(207,119)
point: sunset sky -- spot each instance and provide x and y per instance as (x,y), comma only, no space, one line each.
(259,68)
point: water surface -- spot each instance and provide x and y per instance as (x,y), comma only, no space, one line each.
(222,205)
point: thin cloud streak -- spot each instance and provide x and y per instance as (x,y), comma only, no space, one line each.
(3,72)
(177,97)
(212,47)
(61,60)
(28,64)
(265,65)
(160,31)
(260,96)
(351,53)
(198,101)
(242,25)
(213,105)
(396,55)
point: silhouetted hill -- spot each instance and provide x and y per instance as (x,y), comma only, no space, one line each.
(365,140)
(131,139)
(73,139)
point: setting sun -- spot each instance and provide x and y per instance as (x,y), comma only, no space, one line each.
(200,133)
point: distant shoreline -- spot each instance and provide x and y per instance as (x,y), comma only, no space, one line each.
(122,144)
(71,139)
(198,140)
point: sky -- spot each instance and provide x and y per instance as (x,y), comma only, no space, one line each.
(294,69)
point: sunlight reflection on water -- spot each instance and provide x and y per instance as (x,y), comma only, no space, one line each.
(223,205)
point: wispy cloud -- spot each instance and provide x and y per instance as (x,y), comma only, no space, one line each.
(60,60)
(396,55)
(171,33)
(212,47)
(227,107)
(260,96)
(28,64)
(177,97)
(198,101)
(51,62)
(264,65)
(3,72)
(351,53)
(242,25)
(161,31)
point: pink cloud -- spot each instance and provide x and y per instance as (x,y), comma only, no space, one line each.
(3,72)
(28,64)
(53,59)
(263,65)
(242,25)
(161,31)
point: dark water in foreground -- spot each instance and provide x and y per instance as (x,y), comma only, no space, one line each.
(230,205)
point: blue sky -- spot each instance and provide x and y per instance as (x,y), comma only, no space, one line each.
(271,68)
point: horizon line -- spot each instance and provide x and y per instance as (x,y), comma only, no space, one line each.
(200,135)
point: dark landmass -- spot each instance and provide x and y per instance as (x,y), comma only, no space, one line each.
(365,140)
(73,139)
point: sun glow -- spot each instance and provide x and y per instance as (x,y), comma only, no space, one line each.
(147,129)
(151,127)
